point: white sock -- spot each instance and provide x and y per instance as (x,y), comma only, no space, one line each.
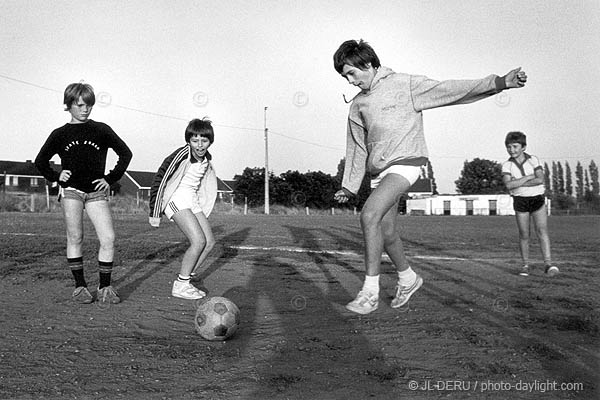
(371,284)
(407,277)
(182,278)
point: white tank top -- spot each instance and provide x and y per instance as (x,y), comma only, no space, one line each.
(192,178)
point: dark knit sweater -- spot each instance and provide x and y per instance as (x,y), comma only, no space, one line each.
(82,149)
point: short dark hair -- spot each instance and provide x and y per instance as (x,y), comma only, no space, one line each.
(516,137)
(355,53)
(200,127)
(76,90)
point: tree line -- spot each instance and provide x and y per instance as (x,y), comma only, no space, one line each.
(313,189)
(479,176)
(294,189)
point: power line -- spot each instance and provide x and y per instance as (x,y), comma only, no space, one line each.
(29,83)
(305,141)
(248,128)
(176,118)
(126,107)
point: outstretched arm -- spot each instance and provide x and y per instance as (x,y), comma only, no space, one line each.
(428,93)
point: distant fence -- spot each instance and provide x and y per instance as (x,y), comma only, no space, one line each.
(39,202)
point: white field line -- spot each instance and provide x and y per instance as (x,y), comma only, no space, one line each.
(336,252)
(290,249)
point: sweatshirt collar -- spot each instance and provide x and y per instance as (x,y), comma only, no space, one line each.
(382,72)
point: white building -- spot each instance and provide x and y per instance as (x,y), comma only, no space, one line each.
(459,204)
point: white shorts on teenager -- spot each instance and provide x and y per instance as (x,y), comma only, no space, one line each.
(408,172)
(181,200)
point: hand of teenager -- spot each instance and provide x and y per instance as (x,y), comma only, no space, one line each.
(340,196)
(64,176)
(100,184)
(515,78)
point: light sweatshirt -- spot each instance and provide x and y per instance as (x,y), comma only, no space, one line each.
(385,123)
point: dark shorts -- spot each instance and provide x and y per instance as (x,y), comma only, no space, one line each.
(528,204)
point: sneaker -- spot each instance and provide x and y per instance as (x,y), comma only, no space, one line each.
(108,295)
(82,295)
(524,270)
(364,303)
(185,290)
(551,270)
(403,293)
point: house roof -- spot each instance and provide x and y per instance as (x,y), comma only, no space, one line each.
(144,179)
(224,186)
(230,183)
(21,168)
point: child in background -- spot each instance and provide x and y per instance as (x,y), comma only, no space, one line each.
(185,189)
(82,146)
(523,176)
(385,138)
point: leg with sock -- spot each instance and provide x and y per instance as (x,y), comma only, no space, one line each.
(106,293)
(105,268)
(81,294)
(408,281)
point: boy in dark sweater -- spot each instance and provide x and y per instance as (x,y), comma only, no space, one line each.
(82,145)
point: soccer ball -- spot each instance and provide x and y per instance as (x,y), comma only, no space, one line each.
(217,318)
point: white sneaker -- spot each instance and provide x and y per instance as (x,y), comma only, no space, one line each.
(364,303)
(403,293)
(185,290)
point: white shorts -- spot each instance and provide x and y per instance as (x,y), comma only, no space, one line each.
(182,200)
(409,172)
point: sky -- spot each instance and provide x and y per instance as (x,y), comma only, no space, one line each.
(157,64)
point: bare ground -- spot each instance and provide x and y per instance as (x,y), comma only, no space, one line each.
(474,330)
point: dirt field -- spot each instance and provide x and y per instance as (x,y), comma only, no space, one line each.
(475,329)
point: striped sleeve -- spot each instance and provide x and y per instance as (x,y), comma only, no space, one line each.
(161,178)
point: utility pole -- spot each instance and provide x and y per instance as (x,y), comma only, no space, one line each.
(266,165)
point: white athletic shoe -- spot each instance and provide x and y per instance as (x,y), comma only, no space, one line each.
(403,293)
(185,290)
(364,303)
